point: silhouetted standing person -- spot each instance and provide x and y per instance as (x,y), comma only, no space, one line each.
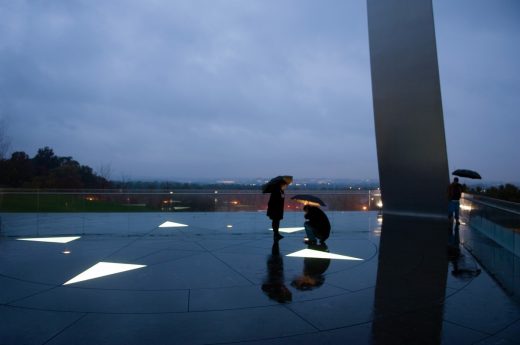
(454,195)
(275,208)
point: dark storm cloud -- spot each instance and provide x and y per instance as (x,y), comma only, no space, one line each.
(206,88)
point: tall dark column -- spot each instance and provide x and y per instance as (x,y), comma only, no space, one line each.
(411,281)
(411,144)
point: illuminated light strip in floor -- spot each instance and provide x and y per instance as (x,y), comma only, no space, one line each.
(318,254)
(289,230)
(51,239)
(102,269)
(172,225)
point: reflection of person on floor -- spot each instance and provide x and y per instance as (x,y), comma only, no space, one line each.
(313,269)
(275,209)
(454,195)
(317,225)
(463,267)
(273,285)
(453,244)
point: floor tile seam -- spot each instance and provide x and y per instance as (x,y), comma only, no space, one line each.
(500,330)
(341,287)
(237,251)
(118,289)
(319,298)
(188,310)
(287,307)
(131,242)
(234,245)
(65,329)
(356,324)
(18,307)
(346,292)
(156,264)
(88,288)
(193,254)
(226,264)
(484,333)
(25,280)
(16,300)
(458,290)
(262,339)
(221,235)
(141,313)
(122,290)
(354,266)
(255,285)
(423,308)
(335,272)
(144,235)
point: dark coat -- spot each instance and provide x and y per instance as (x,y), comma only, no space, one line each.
(275,205)
(319,221)
(455,191)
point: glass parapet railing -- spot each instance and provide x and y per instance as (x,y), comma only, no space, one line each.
(20,200)
(498,220)
(494,238)
(40,212)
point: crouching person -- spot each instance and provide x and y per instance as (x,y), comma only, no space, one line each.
(317,225)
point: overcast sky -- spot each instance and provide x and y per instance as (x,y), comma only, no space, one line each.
(243,88)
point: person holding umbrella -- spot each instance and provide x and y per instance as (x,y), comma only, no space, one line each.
(317,225)
(455,190)
(454,195)
(276,187)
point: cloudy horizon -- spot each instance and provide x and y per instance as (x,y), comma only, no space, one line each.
(215,89)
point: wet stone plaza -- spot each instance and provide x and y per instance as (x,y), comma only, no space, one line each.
(218,278)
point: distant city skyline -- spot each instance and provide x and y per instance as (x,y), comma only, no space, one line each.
(243,89)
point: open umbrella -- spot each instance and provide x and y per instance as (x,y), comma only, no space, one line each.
(308,199)
(466,173)
(275,183)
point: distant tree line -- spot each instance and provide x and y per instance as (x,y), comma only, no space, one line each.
(507,192)
(167,185)
(46,170)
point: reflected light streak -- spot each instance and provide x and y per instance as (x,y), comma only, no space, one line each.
(169,224)
(51,239)
(289,230)
(466,207)
(102,269)
(318,254)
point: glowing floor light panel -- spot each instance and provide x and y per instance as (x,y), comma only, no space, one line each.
(318,254)
(51,239)
(169,224)
(102,269)
(289,230)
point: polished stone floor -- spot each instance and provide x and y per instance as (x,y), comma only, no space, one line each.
(220,279)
